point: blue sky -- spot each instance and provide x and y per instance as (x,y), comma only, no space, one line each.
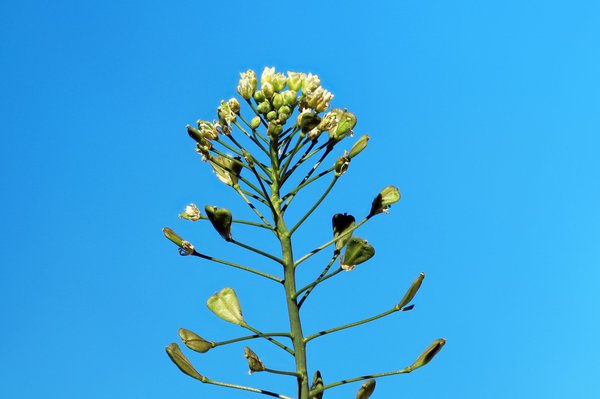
(485,114)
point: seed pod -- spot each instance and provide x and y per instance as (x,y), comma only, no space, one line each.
(366,389)
(308,121)
(341,223)
(226,305)
(428,354)
(194,341)
(254,363)
(341,165)
(227,169)
(360,145)
(186,248)
(182,362)
(221,220)
(384,200)
(316,384)
(357,252)
(412,291)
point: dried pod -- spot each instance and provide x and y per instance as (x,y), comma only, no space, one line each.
(254,363)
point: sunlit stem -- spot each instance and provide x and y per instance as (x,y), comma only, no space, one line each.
(263,188)
(315,206)
(243,388)
(306,183)
(310,172)
(258,144)
(361,378)
(286,155)
(241,267)
(255,336)
(256,197)
(357,323)
(261,217)
(319,279)
(246,222)
(290,373)
(268,338)
(255,133)
(328,243)
(317,282)
(307,154)
(258,251)
(224,144)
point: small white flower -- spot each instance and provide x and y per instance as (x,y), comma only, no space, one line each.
(191,212)
(248,84)
(267,75)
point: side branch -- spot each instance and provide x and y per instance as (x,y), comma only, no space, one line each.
(243,388)
(248,269)
(361,378)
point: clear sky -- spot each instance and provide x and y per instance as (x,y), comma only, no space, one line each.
(485,114)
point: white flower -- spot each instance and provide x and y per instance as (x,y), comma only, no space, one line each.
(310,83)
(191,212)
(248,84)
(295,80)
(267,75)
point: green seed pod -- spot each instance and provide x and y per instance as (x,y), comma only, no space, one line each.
(185,248)
(345,122)
(412,291)
(289,98)
(360,145)
(428,354)
(182,362)
(268,90)
(316,384)
(227,169)
(308,121)
(366,389)
(255,122)
(254,363)
(357,252)
(264,107)
(384,200)
(221,220)
(272,115)
(194,341)
(259,96)
(277,101)
(341,165)
(341,224)
(226,305)
(198,137)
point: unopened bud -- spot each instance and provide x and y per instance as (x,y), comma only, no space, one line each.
(360,145)
(342,224)
(226,305)
(317,383)
(289,98)
(259,96)
(384,200)
(194,341)
(412,291)
(428,354)
(264,107)
(221,219)
(234,105)
(274,129)
(279,80)
(254,363)
(277,101)
(191,212)
(366,389)
(295,80)
(271,115)
(255,122)
(268,90)
(284,113)
(182,362)
(357,252)
(185,247)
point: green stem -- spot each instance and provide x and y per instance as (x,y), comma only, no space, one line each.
(314,392)
(243,388)
(299,144)
(306,183)
(258,144)
(268,338)
(241,267)
(256,250)
(290,373)
(315,206)
(317,282)
(257,113)
(251,205)
(310,172)
(247,337)
(319,279)
(358,323)
(254,196)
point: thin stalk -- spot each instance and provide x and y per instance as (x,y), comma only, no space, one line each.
(314,392)
(290,373)
(252,186)
(257,113)
(240,221)
(251,205)
(247,337)
(240,154)
(319,279)
(254,196)
(258,144)
(241,267)
(315,206)
(268,338)
(243,388)
(254,132)
(307,154)
(357,323)
(306,183)
(256,250)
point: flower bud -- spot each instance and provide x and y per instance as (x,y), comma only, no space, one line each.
(227,169)
(341,165)
(191,212)
(234,105)
(185,247)
(197,136)
(255,122)
(384,200)
(220,219)
(295,80)
(366,389)
(194,341)
(357,252)
(182,362)
(277,101)
(428,354)
(274,129)
(267,75)
(254,363)
(412,291)
(264,107)
(309,84)
(284,113)
(316,384)
(271,115)
(360,145)
(207,130)
(226,305)
(259,96)
(289,98)
(308,121)
(247,85)
(342,223)
(279,80)
(268,90)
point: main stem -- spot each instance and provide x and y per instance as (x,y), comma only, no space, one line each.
(289,277)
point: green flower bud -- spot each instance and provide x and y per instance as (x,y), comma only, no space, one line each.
(191,212)
(248,84)
(264,107)
(284,113)
(185,247)
(341,165)
(268,90)
(259,96)
(317,383)
(227,169)
(254,363)
(255,122)
(226,305)
(384,200)
(308,121)
(220,219)
(342,223)
(234,105)
(289,98)
(194,341)
(182,362)
(197,136)
(207,130)
(279,81)
(366,389)
(357,252)
(274,129)
(277,101)
(412,291)
(428,354)
(271,115)
(360,145)
(295,80)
